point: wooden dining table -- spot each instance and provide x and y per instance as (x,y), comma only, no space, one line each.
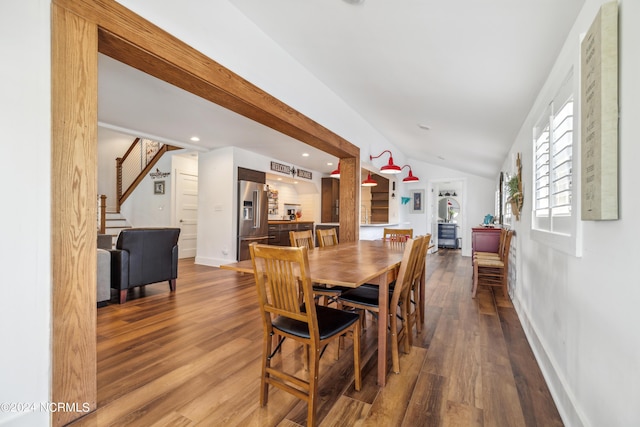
(351,265)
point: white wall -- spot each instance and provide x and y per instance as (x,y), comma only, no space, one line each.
(25,120)
(144,208)
(581,313)
(217,176)
(111,145)
(217,201)
(477,200)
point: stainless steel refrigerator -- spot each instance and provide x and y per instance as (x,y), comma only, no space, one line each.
(252,216)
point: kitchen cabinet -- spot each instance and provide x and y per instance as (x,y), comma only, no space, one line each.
(330,200)
(448,235)
(380,200)
(279,231)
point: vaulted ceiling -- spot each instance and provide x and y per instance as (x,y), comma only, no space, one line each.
(447,82)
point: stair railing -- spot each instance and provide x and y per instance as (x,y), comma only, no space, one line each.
(102,213)
(131,168)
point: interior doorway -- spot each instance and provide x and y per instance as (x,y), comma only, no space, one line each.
(448,206)
(186,212)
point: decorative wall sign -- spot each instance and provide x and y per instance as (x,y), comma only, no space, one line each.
(599,97)
(158,174)
(290,170)
(304,174)
(278,167)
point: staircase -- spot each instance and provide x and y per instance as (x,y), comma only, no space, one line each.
(114,223)
(138,161)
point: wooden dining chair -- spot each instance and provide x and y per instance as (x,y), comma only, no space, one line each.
(327,237)
(493,271)
(366,297)
(281,273)
(397,236)
(302,239)
(415,296)
(327,294)
(498,254)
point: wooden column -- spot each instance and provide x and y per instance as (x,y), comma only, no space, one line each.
(74,65)
(349,199)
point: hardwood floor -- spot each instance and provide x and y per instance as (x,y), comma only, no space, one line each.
(193,358)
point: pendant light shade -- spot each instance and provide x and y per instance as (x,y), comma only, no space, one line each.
(410,177)
(389,167)
(336,173)
(369,182)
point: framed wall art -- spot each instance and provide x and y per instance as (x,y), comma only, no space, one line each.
(417,201)
(158,187)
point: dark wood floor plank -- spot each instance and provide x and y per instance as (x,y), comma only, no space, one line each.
(192,358)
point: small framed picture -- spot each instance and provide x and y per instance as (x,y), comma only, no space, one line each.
(158,187)
(417,201)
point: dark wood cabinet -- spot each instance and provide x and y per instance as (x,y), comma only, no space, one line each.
(330,200)
(380,200)
(448,235)
(279,231)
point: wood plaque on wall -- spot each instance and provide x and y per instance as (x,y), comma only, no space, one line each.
(599,116)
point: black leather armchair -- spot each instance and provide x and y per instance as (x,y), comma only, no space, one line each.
(144,256)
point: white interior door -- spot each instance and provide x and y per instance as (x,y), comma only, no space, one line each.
(187,213)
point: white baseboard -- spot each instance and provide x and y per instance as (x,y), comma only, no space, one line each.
(561,393)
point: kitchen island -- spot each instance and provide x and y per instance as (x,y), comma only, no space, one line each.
(279,230)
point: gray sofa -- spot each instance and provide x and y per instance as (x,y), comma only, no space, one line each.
(104,277)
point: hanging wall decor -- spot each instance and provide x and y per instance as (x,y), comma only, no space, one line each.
(599,116)
(515,195)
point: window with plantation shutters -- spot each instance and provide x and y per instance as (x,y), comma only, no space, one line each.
(553,165)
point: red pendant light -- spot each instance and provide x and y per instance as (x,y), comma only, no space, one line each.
(369,182)
(410,177)
(336,173)
(389,167)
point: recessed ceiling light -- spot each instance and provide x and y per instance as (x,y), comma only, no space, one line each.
(305,154)
(194,139)
(425,127)
(441,158)
(329,163)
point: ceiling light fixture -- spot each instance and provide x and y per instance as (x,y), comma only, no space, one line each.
(336,173)
(410,177)
(194,139)
(389,167)
(369,182)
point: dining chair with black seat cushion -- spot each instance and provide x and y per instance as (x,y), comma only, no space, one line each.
(327,293)
(415,298)
(366,297)
(144,256)
(281,274)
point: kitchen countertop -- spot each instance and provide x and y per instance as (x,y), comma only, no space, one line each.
(286,221)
